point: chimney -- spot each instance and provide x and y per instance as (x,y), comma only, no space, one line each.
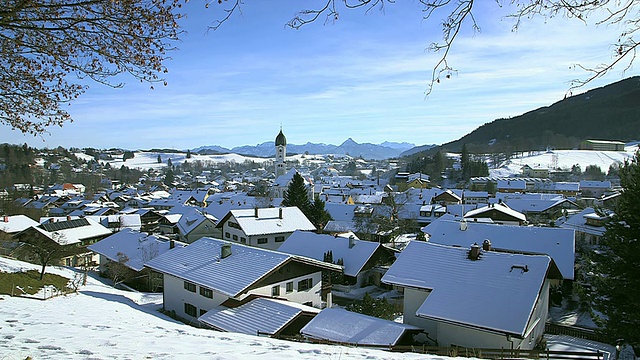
(474,253)
(172,244)
(68,217)
(6,218)
(225,251)
(352,241)
(280,213)
(486,245)
(255,213)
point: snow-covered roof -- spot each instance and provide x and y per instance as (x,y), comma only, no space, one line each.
(592,184)
(315,246)
(138,247)
(201,263)
(512,184)
(476,293)
(536,206)
(339,325)
(501,208)
(578,222)
(260,315)
(71,231)
(558,243)
(16,223)
(270,221)
(192,218)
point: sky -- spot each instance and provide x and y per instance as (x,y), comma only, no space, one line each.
(363,77)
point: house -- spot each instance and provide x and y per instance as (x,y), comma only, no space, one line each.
(11,225)
(447,197)
(511,185)
(589,226)
(131,249)
(594,188)
(340,326)
(558,243)
(470,298)
(261,316)
(73,235)
(149,218)
(500,213)
(535,171)
(266,227)
(210,272)
(194,224)
(358,257)
(543,211)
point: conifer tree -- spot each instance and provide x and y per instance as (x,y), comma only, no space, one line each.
(617,282)
(297,194)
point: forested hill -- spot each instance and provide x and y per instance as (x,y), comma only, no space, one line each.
(611,112)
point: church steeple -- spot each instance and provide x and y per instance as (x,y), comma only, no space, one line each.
(281,153)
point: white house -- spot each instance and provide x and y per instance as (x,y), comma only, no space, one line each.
(194,224)
(469,298)
(265,227)
(210,272)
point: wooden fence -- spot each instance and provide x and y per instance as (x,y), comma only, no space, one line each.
(574,331)
(502,353)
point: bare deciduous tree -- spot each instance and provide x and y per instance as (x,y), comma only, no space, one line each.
(44,43)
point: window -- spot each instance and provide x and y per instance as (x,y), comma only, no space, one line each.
(190,310)
(227,235)
(189,286)
(279,238)
(289,286)
(208,293)
(243,240)
(235,237)
(275,291)
(262,240)
(305,284)
(233,225)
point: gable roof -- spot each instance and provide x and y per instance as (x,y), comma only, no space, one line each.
(342,326)
(537,205)
(475,293)
(258,316)
(138,247)
(192,218)
(493,209)
(558,243)
(70,231)
(16,223)
(314,245)
(269,220)
(202,264)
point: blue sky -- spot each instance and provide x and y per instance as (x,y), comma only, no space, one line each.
(363,77)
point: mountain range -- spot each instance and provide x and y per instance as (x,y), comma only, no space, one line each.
(381,151)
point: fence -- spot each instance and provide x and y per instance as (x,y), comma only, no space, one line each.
(574,331)
(502,353)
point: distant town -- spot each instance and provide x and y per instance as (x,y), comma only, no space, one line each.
(433,251)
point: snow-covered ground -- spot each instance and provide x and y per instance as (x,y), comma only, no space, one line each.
(149,160)
(564,159)
(100,322)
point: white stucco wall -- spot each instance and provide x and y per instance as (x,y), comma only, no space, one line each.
(175,296)
(312,295)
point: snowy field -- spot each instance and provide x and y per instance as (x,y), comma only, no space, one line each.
(100,322)
(565,159)
(149,160)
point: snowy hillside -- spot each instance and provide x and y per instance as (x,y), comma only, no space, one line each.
(104,323)
(149,160)
(564,159)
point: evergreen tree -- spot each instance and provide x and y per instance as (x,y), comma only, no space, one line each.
(297,194)
(317,214)
(169,163)
(188,154)
(169,177)
(617,282)
(159,159)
